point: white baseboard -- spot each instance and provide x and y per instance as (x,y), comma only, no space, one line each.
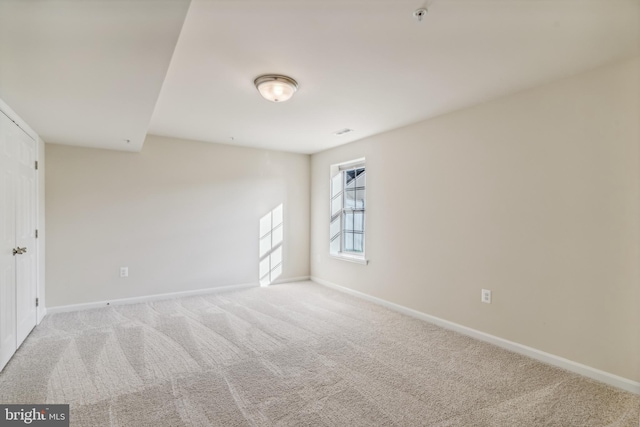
(41,313)
(551,359)
(147,298)
(290,280)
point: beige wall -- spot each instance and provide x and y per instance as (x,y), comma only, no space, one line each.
(534,196)
(182,215)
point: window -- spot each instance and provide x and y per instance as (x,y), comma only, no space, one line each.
(347,224)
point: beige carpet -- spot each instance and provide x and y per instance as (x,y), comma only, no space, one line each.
(291,355)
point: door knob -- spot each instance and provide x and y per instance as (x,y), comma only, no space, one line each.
(19,251)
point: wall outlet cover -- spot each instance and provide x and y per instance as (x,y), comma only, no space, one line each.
(486,296)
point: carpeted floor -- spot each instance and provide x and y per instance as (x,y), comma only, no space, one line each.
(291,355)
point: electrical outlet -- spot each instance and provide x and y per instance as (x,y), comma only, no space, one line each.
(124,271)
(486,296)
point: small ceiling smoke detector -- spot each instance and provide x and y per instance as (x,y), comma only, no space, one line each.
(420,13)
(276,88)
(343,131)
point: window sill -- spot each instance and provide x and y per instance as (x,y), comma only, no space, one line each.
(350,258)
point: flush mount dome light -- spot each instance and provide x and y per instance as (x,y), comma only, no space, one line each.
(276,88)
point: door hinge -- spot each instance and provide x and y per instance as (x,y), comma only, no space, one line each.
(37,302)
(36,165)
(36,234)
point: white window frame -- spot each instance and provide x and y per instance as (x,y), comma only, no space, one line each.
(335,170)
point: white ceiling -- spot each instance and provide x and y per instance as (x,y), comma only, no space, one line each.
(89,73)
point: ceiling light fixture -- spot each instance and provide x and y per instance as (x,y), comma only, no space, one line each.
(276,88)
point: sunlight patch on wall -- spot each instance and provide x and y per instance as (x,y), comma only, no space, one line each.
(271,240)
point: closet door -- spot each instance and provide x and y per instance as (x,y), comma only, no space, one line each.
(18,258)
(8,325)
(25,201)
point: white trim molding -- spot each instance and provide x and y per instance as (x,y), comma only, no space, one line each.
(41,314)
(159,297)
(350,258)
(290,280)
(551,359)
(147,298)
(8,111)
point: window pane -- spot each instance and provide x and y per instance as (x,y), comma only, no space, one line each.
(358,240)
(348,241)
(359,197)
(349,199)
(361,178)
(336,205)
(277,236)
(348,222)
(336,185)
(349,179)
(358,221)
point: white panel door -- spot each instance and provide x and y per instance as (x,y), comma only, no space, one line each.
(8,326)
(25,200)
(18,268)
